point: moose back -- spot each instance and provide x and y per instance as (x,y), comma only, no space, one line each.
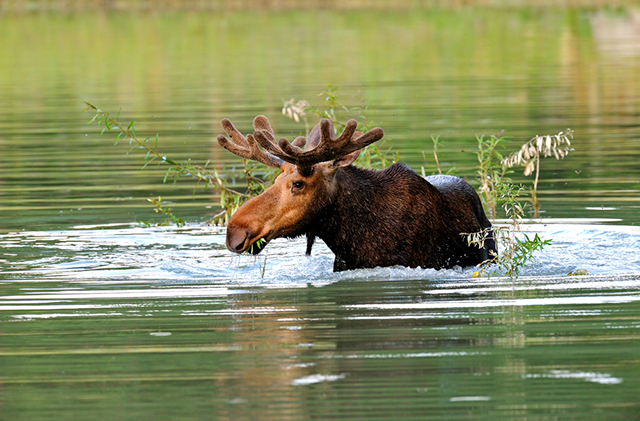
(367,218)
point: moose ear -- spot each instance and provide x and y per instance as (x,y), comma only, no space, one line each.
(346,160)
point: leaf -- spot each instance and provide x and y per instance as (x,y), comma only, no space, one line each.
(149,162)
(93,119)
(168,161)
(166,175)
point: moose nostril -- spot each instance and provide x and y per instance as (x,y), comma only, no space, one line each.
(240,244)
(236,239)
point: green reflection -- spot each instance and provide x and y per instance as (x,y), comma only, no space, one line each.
(310,353)
(332,352)
(428,72)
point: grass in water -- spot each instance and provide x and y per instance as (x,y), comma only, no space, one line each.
(529,155)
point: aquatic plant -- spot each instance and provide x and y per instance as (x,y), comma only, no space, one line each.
(297,110)
(490,170)
(436,143)
(558,145)
(168,212)
(229,199)
(516,247)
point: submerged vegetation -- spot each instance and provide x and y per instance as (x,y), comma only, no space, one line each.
(495,189)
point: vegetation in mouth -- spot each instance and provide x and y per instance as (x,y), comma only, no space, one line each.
(257,246)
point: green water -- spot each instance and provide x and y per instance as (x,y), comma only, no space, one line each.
(353,349)
(103,319)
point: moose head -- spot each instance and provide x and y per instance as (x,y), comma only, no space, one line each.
(306,183)
(367,218)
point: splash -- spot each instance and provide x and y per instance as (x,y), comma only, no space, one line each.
(197,254)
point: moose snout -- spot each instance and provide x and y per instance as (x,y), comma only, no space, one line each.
(237,239)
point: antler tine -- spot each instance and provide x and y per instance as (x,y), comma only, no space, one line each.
(234,133)
(299,141)
(267,140)
(315,134)
(247,147)
(328,148)
(262,123)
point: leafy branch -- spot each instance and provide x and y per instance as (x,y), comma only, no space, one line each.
(168,212)
(490,170)
(230,199)
(498,190)
(517,247)
(529,155)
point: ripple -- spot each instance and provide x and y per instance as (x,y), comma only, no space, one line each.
(197,253)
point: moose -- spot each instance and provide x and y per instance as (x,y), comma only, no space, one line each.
(367,218)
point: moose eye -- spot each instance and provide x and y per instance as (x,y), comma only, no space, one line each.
(297,185)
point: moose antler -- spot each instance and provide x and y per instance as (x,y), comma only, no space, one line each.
(327,149)
(246,147)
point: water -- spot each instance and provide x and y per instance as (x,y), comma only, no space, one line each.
(197,254)
(128,322)
(101,318)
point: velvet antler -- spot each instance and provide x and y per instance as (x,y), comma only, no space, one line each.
(328,148)
(246,147)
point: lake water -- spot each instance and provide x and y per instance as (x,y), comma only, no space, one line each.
(102,318)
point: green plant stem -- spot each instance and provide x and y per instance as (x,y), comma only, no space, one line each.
(534,191)
(230,199)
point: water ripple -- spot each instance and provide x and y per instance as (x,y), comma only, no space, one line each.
(196,253)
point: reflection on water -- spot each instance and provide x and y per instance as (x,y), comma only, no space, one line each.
(102,319)
(449,74)
(124,323)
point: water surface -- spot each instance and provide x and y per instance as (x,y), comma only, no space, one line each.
(102,318)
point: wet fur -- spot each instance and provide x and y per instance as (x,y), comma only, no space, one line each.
(395,217)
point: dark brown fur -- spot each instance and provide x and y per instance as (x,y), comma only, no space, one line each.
(395,217)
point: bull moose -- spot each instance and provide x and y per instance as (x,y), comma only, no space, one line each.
(367,218)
